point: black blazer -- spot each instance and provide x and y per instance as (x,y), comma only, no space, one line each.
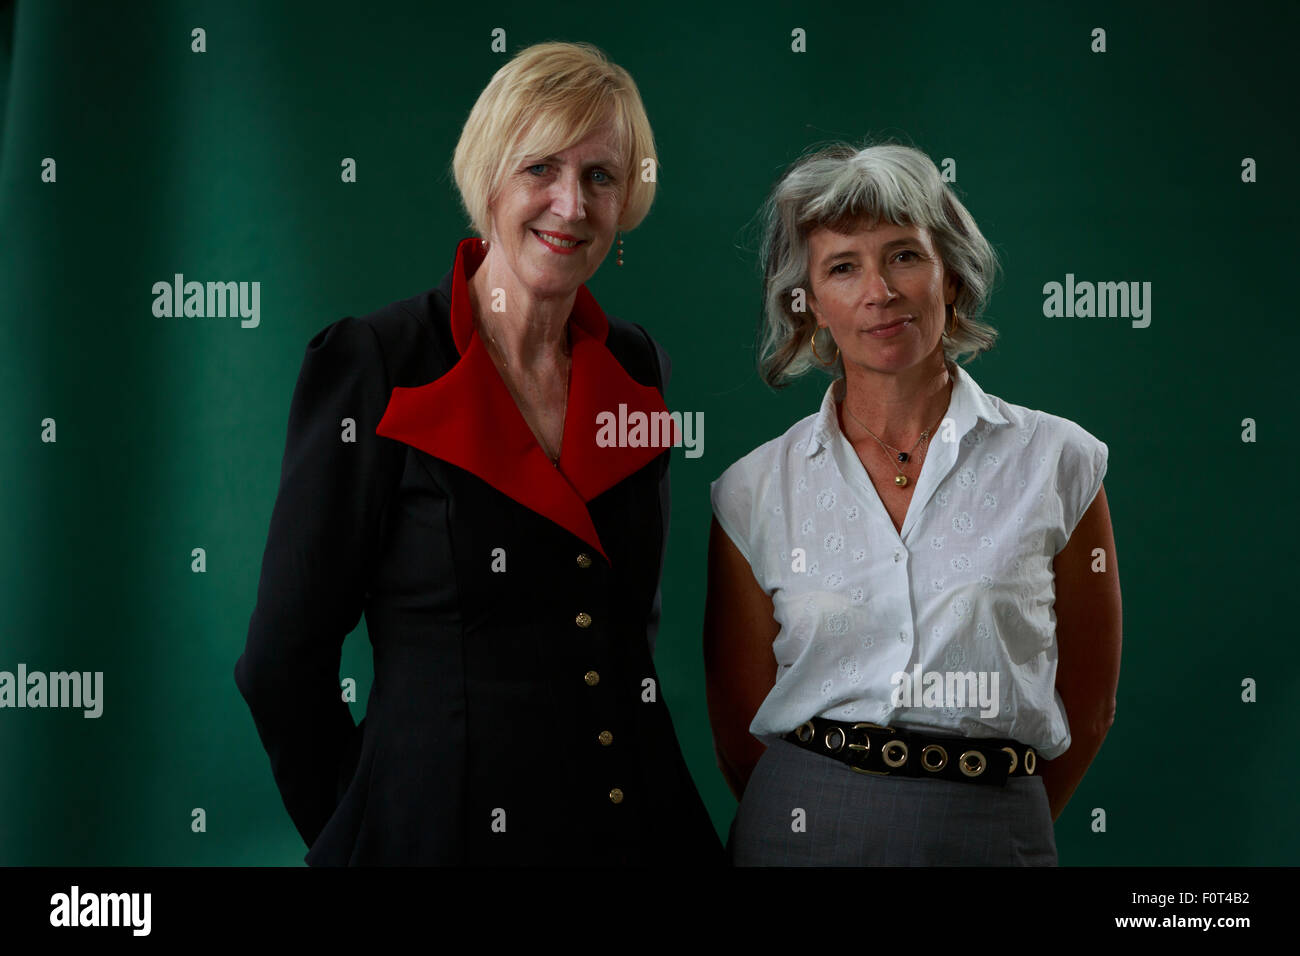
(515,716)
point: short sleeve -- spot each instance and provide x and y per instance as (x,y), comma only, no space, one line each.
(732,496)
(1083,464)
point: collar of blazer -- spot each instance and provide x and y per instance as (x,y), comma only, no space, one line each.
(468,418)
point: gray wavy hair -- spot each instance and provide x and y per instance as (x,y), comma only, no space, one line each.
(842,186)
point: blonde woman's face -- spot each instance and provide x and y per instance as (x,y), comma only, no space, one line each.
(554,217)
(882,293)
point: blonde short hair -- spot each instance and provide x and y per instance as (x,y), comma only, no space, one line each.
(547,98)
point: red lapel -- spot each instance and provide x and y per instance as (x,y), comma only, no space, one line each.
(469,419)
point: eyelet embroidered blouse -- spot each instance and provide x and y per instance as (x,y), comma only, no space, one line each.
(965,592)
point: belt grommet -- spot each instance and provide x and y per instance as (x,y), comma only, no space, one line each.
(802,737)
(1014,760)
(826,739)
(925,758)
(972,763)
(886,751)
(1031,761)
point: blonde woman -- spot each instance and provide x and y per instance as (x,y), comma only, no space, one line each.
(507,564)
(911,657)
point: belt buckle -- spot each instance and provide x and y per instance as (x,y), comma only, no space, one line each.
(869,726)
(865,725)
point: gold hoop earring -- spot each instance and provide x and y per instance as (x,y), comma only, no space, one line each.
(951,327)
(620,247)
(813,345)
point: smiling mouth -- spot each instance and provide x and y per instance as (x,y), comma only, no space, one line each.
(558,241)
(902,321)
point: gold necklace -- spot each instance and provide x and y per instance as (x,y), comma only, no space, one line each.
(903,456)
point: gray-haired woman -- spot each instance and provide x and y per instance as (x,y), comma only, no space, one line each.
(912,631)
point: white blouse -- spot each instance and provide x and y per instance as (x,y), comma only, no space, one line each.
(948,626)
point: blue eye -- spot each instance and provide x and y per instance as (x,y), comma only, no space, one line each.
(601,172)
(536,166)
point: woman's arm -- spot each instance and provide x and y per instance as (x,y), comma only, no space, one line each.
(1088,626)
(319,549)
(739,666)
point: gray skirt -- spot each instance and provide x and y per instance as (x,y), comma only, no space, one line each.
(854,819)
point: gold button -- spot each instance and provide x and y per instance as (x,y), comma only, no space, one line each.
(592,678)
(605,738)
(584,561)
(583,619)
(616,795)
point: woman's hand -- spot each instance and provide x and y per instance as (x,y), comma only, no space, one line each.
(739,666)
(1088,626)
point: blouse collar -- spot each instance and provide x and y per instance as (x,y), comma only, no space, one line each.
(967,404)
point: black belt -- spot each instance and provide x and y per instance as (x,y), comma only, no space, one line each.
(870,748)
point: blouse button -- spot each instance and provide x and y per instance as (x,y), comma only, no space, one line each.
(605,738)
(583,619)
(592,678)
(584,561)
(616,795)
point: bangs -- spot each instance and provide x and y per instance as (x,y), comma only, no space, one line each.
(550,97)
(566,121)
(859,198)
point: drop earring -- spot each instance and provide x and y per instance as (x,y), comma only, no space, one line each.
(620,248)
(826,363)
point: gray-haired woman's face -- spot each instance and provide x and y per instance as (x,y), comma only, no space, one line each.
(882,293)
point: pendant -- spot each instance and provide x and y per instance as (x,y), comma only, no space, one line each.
(902,456)
(900,480)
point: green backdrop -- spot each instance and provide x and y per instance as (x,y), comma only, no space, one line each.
(1123,165)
